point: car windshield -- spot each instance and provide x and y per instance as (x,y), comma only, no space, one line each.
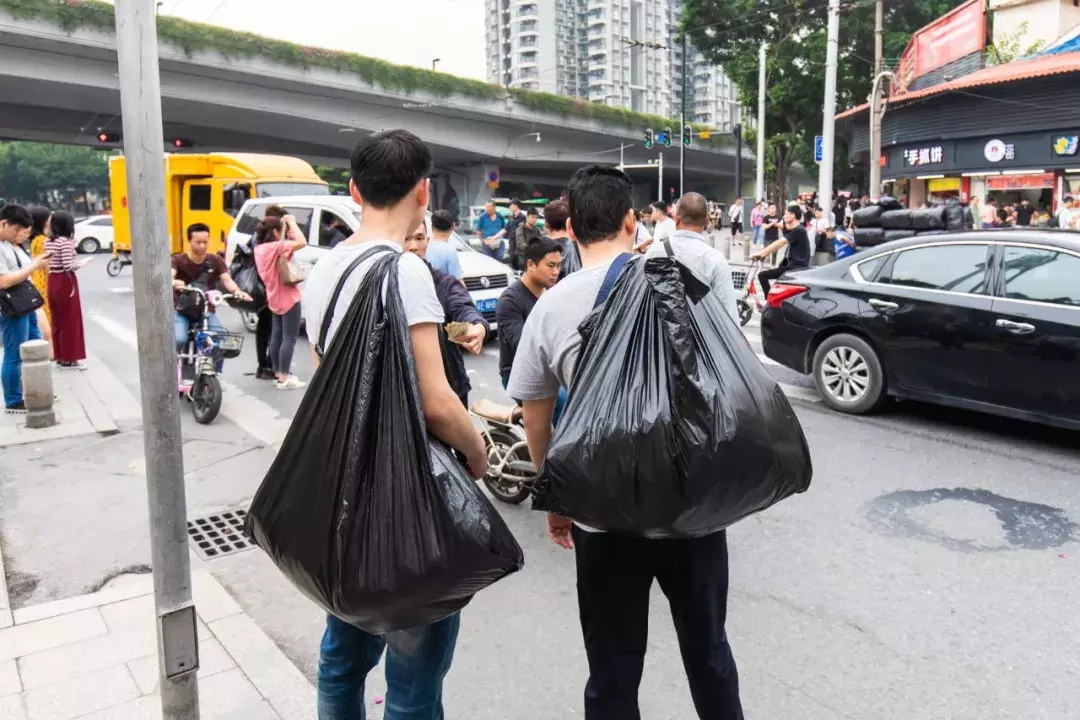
(279,189)
(459,244)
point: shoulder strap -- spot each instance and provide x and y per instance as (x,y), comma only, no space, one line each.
(609,279)
(328,314)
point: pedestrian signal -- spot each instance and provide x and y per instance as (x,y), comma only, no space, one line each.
(648,138)
(687,135)
(665,137)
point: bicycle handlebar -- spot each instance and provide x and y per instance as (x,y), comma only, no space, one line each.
(215,297)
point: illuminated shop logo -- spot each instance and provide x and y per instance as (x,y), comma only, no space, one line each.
(996,151)
(924,156)
(1066,144)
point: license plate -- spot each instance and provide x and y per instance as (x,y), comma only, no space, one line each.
(487,305)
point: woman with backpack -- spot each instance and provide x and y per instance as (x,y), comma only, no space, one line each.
(273,258)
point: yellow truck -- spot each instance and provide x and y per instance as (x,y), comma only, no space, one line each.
(208,188)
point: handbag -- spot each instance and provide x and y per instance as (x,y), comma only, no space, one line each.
(21,299)
(289,271)
(191,304)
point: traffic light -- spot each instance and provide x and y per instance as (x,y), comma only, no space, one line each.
(648,138)
(180,143)
(687,135)
(665,137)
(107,137)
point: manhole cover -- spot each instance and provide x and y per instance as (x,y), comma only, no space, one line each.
(219,534)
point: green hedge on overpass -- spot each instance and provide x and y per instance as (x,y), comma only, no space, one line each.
(192,37)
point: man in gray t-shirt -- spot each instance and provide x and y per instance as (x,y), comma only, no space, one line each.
(15,269)
(615,572)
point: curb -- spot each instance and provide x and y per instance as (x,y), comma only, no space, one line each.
(6,619)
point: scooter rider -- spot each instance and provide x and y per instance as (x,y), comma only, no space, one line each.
(198,268)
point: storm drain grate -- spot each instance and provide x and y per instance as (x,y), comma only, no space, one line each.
(219,534)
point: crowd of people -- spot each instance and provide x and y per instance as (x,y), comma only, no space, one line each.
(39,292)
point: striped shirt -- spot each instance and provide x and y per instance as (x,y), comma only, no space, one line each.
(63,254)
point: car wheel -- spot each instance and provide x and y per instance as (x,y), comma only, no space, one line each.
(849,375)
(89,246)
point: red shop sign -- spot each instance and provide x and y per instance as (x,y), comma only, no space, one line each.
(1020,182)
(954,35)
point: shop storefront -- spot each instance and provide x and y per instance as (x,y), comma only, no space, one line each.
(1043,167)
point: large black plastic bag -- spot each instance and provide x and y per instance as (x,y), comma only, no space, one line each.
(673,427)
(869,236)
(365,514)
(896,220)
(957,216)
(891,235)
(931,218)
(869,216)
(246,276)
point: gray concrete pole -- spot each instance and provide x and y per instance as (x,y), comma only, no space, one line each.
(875,103)
(660,176)
(759,189)
(37,385)
(682,121)
(828,129)
(144,148)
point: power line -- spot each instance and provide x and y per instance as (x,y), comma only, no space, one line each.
(220,5)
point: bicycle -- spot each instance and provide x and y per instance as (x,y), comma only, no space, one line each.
(750,293)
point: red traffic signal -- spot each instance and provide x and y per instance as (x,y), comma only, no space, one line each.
(108,137)
(182,143)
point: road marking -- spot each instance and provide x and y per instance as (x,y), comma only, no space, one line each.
(766,360)
(122,290)
(252,415)
(491,352)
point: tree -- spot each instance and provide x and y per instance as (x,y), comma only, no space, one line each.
(39,172)
(729,33)
(1007,47)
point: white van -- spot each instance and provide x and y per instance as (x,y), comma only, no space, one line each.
(326,220)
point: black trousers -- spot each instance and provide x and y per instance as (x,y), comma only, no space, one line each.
(765,276)
(614,576)
(262,339)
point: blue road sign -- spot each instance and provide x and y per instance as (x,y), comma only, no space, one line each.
(819,148)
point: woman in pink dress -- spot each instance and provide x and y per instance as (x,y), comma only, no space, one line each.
(284,300)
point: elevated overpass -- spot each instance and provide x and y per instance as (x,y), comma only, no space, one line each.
(59,86)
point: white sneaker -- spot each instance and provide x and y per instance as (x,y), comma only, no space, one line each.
(290,383)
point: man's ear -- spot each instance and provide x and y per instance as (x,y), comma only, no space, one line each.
(354,193)
(630,222)
(570,230)
(423,192)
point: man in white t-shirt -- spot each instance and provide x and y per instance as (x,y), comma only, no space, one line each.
(665,226)
(390,173)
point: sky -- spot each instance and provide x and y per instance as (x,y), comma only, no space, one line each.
(408,32)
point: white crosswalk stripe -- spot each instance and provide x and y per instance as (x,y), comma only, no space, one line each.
(255,417)
(752,332)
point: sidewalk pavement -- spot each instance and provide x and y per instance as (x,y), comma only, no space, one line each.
(94,657)
(89,402)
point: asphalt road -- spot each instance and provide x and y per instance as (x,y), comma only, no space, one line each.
(929,572)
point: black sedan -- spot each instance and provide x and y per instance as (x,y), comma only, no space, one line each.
(984,320)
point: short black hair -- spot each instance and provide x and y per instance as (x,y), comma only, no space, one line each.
(515,201)
(796,211)
(661,206)
(442,221)
(62,225)
(555,214)
(197,227)
(40,216)
(541,247)
(17,215)
(387,165)
(532,211)
(600,196)
(1068,198)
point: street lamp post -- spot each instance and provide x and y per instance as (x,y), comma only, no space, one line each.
(433,62)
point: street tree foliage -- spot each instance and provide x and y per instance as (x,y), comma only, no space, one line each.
(729,33)
(51,174)
(1012,46)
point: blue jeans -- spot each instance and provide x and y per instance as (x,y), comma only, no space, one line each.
(416,663)
(16,331)
(181,325)
(497,252)
(560,403)
(758,235)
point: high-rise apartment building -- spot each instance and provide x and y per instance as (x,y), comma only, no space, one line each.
(582,48)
